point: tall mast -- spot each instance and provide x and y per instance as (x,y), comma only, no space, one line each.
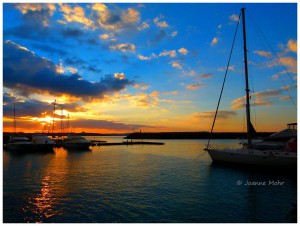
(247,84)
(53,117)
(61,121)
(15,125)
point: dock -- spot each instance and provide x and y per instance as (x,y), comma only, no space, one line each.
(130,143)
(97,142)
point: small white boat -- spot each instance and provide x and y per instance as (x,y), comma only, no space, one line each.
(76,142)
(19,143)
(42,142)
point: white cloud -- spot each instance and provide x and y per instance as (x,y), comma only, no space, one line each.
(171,53)
(120,76)
(143,26)
(176,64)
(234,17)
(174,33)
(127,47)
(116,19)
(162,24)
(141,57)
(75,14)
(104,36)
(183,51)
(230,68)
(214,41)
(131,16)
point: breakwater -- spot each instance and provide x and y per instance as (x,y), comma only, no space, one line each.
(195,135)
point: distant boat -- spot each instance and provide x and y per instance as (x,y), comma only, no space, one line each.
(42,142)
(19,143)
(279,151)
(76,142)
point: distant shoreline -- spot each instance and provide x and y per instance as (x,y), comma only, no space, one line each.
(195,135)
(158,135)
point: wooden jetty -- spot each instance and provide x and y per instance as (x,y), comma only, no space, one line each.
(130,143)
(97,142)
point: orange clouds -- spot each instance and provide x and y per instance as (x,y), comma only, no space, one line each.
(221,114)
(162,24)
(263,53)
(214,41)
(194,86)
(292,45)
(75,14)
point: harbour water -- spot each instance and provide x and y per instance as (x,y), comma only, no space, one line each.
(174,183)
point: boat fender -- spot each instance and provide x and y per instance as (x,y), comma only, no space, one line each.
(292,145)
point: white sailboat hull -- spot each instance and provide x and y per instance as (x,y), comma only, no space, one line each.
(254,157)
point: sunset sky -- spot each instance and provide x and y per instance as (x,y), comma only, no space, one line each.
(124,67)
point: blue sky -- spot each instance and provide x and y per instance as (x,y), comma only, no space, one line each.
(120,67)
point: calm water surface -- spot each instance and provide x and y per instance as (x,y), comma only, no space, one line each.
(175,182)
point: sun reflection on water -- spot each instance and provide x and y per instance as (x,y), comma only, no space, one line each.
(44,203)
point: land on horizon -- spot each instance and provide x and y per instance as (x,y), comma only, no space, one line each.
(158,135)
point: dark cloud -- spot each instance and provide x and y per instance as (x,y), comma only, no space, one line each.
(71,32)
(23,108)
(125,59)
(26,73)
(79,63)
(93,68)
(110,61)
(33,108)
(161,35)
(40,18)
(29,31)
(109,125)
(75,61)
(34,26)
(111,19)
(92,41)
(49,49)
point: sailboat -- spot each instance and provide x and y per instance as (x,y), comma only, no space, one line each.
(253,153)
(18,142)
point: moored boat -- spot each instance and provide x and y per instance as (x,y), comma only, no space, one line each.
(42,142)
(279,150)
(76,142)
(19,143)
